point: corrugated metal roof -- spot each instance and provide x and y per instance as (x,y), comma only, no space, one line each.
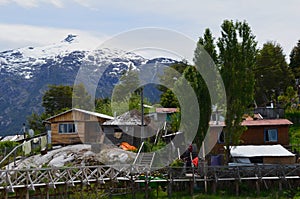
(266,122)
(83,111)
(260,151)
(132,117)
(167,110)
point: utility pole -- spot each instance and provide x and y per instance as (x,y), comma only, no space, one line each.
(142,117)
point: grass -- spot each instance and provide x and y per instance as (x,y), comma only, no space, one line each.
(185,195)
(294,133)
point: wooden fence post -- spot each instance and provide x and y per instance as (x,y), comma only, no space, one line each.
(237,187)
(257,187)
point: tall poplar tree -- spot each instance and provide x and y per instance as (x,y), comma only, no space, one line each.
(237,55)
(205,48)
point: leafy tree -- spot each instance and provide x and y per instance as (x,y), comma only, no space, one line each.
(198,84)
(127,94)
(103,106)
(57,98)
(129,103)
(295,60)
(237,55)
(35,122)
(128,85)
(81,98)
(289,99)
(169,100)
(272,74)
(172,74)
(175,121)
(208,43)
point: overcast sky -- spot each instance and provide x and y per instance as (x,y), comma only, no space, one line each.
(41,22)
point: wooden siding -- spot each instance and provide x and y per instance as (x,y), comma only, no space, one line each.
(279,160)
(88,128)
(254,135)
(65,138)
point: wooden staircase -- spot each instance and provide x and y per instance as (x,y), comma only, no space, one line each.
(143,161)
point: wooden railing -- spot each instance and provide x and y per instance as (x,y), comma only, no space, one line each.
(14,151)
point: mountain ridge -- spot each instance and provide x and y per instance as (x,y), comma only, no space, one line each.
(26,72)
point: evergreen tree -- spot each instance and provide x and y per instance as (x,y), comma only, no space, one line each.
(35,122)
(198,84)
(237,55)
(169,100)
(81,98)
(103,106)
(295,60)
(57,98)
(272,74)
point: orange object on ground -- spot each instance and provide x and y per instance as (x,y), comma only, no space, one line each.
(127,147)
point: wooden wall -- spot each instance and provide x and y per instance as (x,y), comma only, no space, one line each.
(88,128)
(254,135)
(279,160)
(66,138)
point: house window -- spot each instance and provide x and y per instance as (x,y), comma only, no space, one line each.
(221,137)
(67,128)
(271,135)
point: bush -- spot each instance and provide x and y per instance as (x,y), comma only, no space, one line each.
(8,144)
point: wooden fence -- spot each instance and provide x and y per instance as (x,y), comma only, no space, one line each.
(127,178)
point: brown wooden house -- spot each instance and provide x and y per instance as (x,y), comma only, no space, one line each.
(76,126)
(259,132)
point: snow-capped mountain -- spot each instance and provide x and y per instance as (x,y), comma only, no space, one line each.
(26,73)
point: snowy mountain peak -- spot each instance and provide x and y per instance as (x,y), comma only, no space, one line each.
(70,38)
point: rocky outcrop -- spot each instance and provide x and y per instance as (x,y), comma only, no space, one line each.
(76,155)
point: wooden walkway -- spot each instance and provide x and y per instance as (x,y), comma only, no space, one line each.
(32,179)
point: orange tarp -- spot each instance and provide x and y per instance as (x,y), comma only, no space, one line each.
(127,147)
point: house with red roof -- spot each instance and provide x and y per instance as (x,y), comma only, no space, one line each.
(259,132)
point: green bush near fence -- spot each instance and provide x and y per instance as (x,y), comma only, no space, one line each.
(8,144)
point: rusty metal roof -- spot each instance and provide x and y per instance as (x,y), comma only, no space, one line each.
(266,122)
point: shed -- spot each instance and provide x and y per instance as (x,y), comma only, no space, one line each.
(76,126)
(266,154)
(127,128)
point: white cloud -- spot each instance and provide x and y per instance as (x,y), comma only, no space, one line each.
(33,3)
(269,19)
(17,35)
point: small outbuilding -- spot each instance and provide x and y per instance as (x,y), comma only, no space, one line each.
(128,128)
(264,154)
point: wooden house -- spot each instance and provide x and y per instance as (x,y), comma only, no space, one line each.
(259,132)
(76,126)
